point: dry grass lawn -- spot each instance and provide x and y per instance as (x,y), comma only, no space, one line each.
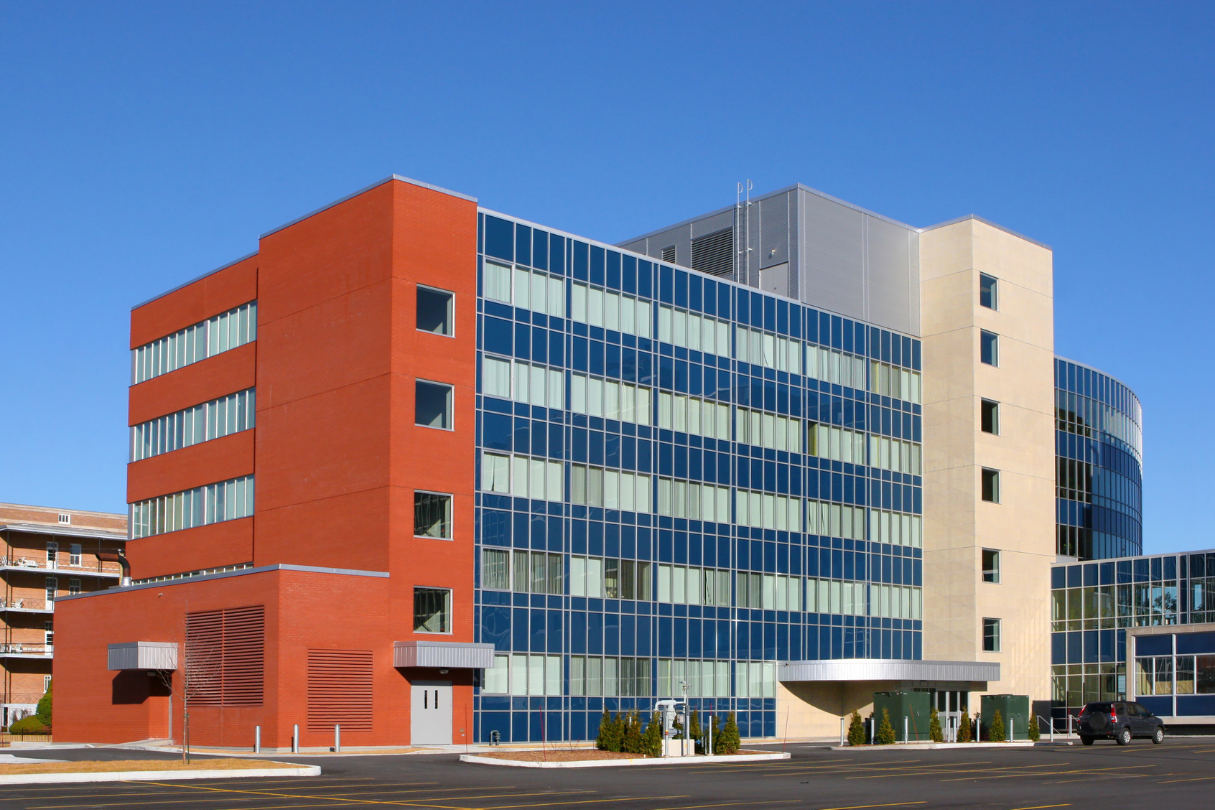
(140,765)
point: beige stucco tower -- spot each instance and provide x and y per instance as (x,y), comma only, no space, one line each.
(959,522)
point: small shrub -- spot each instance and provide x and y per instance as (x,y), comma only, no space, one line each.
(964,728)
(885,732)
(1033,732)
(631,743)
(651,741)
(934,727)
(605,732)
(856,729)
(996,733)
(727,739)
(44,706)
(28,725)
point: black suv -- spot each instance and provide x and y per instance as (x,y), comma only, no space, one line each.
(1119,721)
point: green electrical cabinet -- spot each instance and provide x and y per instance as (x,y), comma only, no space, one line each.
(1013,709)
(915,707)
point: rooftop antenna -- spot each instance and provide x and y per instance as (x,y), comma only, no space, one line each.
(742,255)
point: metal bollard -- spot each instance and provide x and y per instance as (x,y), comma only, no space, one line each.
(257,739)
(841,732)
(709,738)
(905,728)
(337,739)
(295,738)
(1012,733)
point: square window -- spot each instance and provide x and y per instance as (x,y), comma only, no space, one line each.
(431,515)
(989,416)
(991,485)
(433,405)
(989,348)
(991,635)
(431,610)
(987,291)
(991,565)
(436,311)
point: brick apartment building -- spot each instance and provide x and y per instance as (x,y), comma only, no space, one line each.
(46,553)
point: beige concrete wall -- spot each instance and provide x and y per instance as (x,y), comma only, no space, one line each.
(813,709)
(957,523)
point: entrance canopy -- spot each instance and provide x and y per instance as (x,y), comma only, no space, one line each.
(888,669)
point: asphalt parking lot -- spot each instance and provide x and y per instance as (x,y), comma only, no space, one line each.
(1178,774)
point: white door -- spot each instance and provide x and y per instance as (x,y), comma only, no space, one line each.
(430,713)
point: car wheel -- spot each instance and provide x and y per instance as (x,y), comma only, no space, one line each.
(1124,737)
(1158,735)
(1086,740)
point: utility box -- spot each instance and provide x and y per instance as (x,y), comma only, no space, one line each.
(1013,709)
(914,707)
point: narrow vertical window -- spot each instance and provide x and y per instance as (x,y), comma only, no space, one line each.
(989,348)
(991,485)
(989,416)
(987,291)
(991,565)
(436,311)
(991,635)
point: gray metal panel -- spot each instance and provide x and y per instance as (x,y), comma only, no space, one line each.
(711,223)
(865,669)
(914,298)
(442,655)
(888,281)
(832,239)
(142,655)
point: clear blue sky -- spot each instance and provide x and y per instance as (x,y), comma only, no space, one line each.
(142,144)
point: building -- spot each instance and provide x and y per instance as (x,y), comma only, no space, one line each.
(782,455)
(46,553)
(1153,611)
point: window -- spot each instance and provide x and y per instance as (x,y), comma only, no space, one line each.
(989,416)
(436,311)
(989,347)
(495,377)
(67,519)
(233,328)
(991,485)
(201,506)
(52,554)
(431,610)
(433,405)
(74,552)
(991,635)
(497,679)
(46,683)
(73,586)
(497,282)
(200,423)
(987,291)
(991,565)
(48,630)
(431,515)
(495,569)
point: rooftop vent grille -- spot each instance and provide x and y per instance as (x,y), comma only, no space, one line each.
(713,253)
(668,254)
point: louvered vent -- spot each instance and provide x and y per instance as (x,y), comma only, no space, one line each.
(225,656)
(339,690)
(668,254)
(713,253)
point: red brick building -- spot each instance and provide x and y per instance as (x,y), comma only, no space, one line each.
(294,368)
(45,553)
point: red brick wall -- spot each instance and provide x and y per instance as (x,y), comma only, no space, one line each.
(219,292)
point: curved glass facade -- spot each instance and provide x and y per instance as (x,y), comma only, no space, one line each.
(1099,464)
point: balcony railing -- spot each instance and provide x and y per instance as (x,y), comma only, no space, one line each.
(93,568)
(21,648)
(27,605)
(21,698)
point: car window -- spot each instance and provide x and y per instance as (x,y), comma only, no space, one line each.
(1143,712)
(1131,709)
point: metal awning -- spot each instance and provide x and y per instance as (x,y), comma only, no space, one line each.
(442,654)
(887,669)
(143,655)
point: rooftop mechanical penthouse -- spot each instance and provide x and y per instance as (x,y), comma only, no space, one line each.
(436,474)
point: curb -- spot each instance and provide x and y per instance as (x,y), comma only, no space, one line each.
(987,746)
(621,763)
(173,776)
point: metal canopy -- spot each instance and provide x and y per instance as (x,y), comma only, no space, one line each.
(442,655)
(889,669)
(142,655)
